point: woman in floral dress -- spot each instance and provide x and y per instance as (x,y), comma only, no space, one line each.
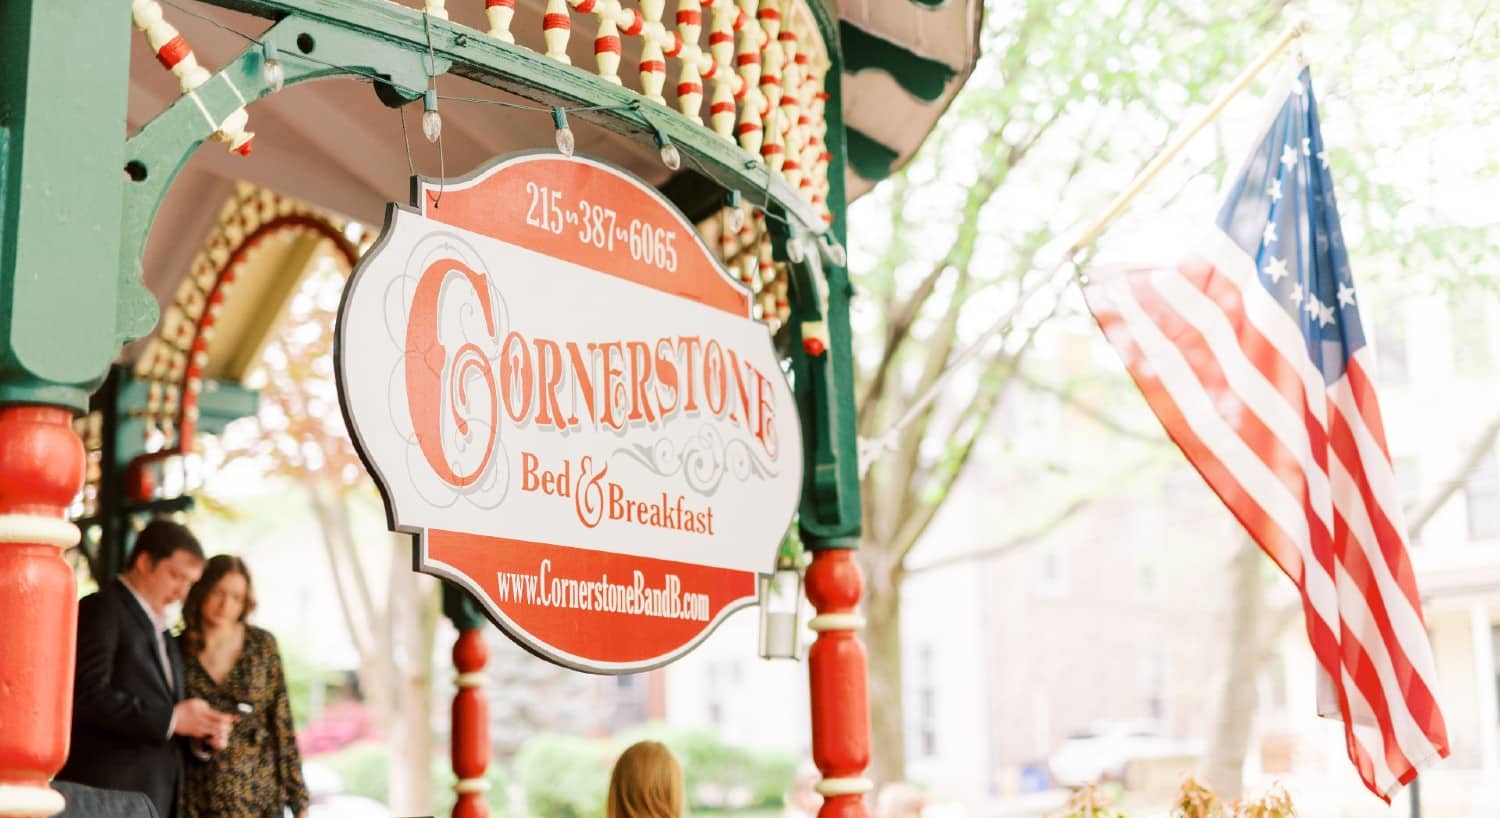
(253,771)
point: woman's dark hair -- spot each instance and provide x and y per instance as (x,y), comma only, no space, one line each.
(192,608)
(160,539)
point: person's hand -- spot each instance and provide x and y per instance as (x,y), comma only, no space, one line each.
(195,718)
(220,738)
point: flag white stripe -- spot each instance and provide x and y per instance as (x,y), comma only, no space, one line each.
(1336,601)
(1355,607)
(1258,481)
(1266,314)
(1369,738)
(1378,472)
(1407,626)
(1288,423)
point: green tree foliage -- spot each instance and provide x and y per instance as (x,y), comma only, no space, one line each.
(1068,102)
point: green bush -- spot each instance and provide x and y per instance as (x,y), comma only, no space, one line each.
(567,777)
(365,769)
(564,776)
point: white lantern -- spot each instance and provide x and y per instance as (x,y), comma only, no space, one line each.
(780,605)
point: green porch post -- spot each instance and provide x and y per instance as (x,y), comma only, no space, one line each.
(65,65)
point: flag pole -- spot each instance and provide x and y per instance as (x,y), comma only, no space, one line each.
(872,448)
(1118,206)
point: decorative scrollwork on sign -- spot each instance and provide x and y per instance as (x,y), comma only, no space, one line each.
(703,459)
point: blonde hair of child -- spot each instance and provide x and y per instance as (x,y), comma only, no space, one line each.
(646,783)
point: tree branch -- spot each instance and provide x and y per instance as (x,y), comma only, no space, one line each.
(1014,543)
(1483,446)
(1089,411)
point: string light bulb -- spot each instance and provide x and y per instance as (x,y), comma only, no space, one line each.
(836,252)
(734,220)
(565,141)
(432,121)
(670,156)
(270,67)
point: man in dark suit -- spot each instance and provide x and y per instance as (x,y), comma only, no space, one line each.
(129,715)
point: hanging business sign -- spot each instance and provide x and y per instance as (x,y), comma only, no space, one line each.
(563,395)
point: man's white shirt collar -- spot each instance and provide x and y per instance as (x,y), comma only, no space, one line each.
(158,621)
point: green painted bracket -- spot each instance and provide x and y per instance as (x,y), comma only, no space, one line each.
(309,50)
(870,159)
(534,76)
(66,68)
(829,513)
(923,78)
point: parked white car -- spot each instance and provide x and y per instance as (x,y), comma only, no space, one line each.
(1102,752)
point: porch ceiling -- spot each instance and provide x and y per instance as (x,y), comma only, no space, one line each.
(333,145)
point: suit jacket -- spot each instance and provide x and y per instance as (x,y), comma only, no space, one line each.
(90,802)
(122,702)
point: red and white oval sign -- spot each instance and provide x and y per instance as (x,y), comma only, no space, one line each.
(563,394)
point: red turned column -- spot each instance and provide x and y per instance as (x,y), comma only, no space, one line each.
(41,470)
(470,748)
(837,678)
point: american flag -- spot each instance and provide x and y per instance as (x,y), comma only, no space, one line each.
(1252,354)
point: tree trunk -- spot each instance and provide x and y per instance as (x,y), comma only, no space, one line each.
(410,651)
(883,640)
(1224,766)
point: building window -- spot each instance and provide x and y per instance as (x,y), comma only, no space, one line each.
(1156,684)
(1495,640)
(1054,558)
(1482,496)
(926,702)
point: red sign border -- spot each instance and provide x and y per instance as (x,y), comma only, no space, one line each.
(420,559)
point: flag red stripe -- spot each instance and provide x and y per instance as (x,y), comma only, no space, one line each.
(1240,417)
(1282,374)
(1273,540)
(1207,367)
(1388,540)
(1419,699)
(1369,408)
(1201,361)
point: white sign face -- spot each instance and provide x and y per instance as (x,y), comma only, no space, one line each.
(563,394)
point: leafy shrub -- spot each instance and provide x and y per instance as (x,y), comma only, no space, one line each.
(568,777)
(365,770)
(564,776)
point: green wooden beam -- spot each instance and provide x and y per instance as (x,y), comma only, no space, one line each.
(64,309)
(531,75)
(923,78)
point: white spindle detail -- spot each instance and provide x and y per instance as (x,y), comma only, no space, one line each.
(556,29)
(725,19)
(657,46)
(500,14)
(751,130)
(173,52)
(437,8)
